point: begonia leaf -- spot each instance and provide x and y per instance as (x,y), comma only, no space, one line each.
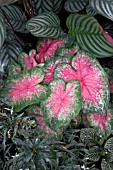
(26,88)
(92,78)
(63,104)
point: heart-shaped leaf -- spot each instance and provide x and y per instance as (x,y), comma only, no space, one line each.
(63,104)
(103,7)
(46,24)
(25,88)
(75,5)
(92,78)
(89,35)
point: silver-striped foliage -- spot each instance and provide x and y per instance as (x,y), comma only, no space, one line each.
(75,5)
(103,7)
(89,35)
(15,16)
(90,10)
(2,31)
(45,25)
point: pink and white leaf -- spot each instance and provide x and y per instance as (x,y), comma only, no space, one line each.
(63,103)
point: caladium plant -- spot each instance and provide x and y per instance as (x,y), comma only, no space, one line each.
(92,78)
(63,103)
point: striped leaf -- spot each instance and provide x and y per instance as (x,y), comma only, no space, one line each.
(103,7)
(2,31)
(15,16)
(8,53)
(75,5)
(89,35)
(6,2)
(45,25)
(90,10)
(105,165)
(63,104)
(40,6)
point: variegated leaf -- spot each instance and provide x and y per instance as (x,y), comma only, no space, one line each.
(2,31)
(109,145)
(25,88)
(45,25)
(75,5)
(92,78)
(103,7)
(8,53)
(63,104)
(90,10)
(106,165)
(89,35)
(15,15)
(40,6)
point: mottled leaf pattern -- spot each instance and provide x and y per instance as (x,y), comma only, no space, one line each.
(16,17)
(63,104)
(75,5)
(46,24)
(109,144)
(94,153)
(89,35)
(26,88)
(103,7)
(92,78)
(2,31)
(106,165)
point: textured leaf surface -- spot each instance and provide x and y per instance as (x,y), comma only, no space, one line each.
(94,153)
(27,61)
(2,31)
(103,7)
(46,24)
(63,104)
(106,165)
(16,17)
(92,78)
(14,68)
(75,5)
(89,35)
(102,122)
(109,144)
(40,6)
(25,88)
(90,10)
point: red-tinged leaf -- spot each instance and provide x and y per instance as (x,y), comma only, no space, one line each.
(25,88)
(111,88)
(28,61)
(48,48)
(76,121)
(103,122)
(92,78)
(63,104)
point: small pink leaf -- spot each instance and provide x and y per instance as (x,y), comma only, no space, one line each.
(92,78)
(47,49)
(28,61)
(63,104)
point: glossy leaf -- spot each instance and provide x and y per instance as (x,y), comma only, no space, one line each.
(25,88)
(103,7)
(15,16)
(45,25)
(2,31)
(92,78)
(63,104)
(75,5)
(89,35)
